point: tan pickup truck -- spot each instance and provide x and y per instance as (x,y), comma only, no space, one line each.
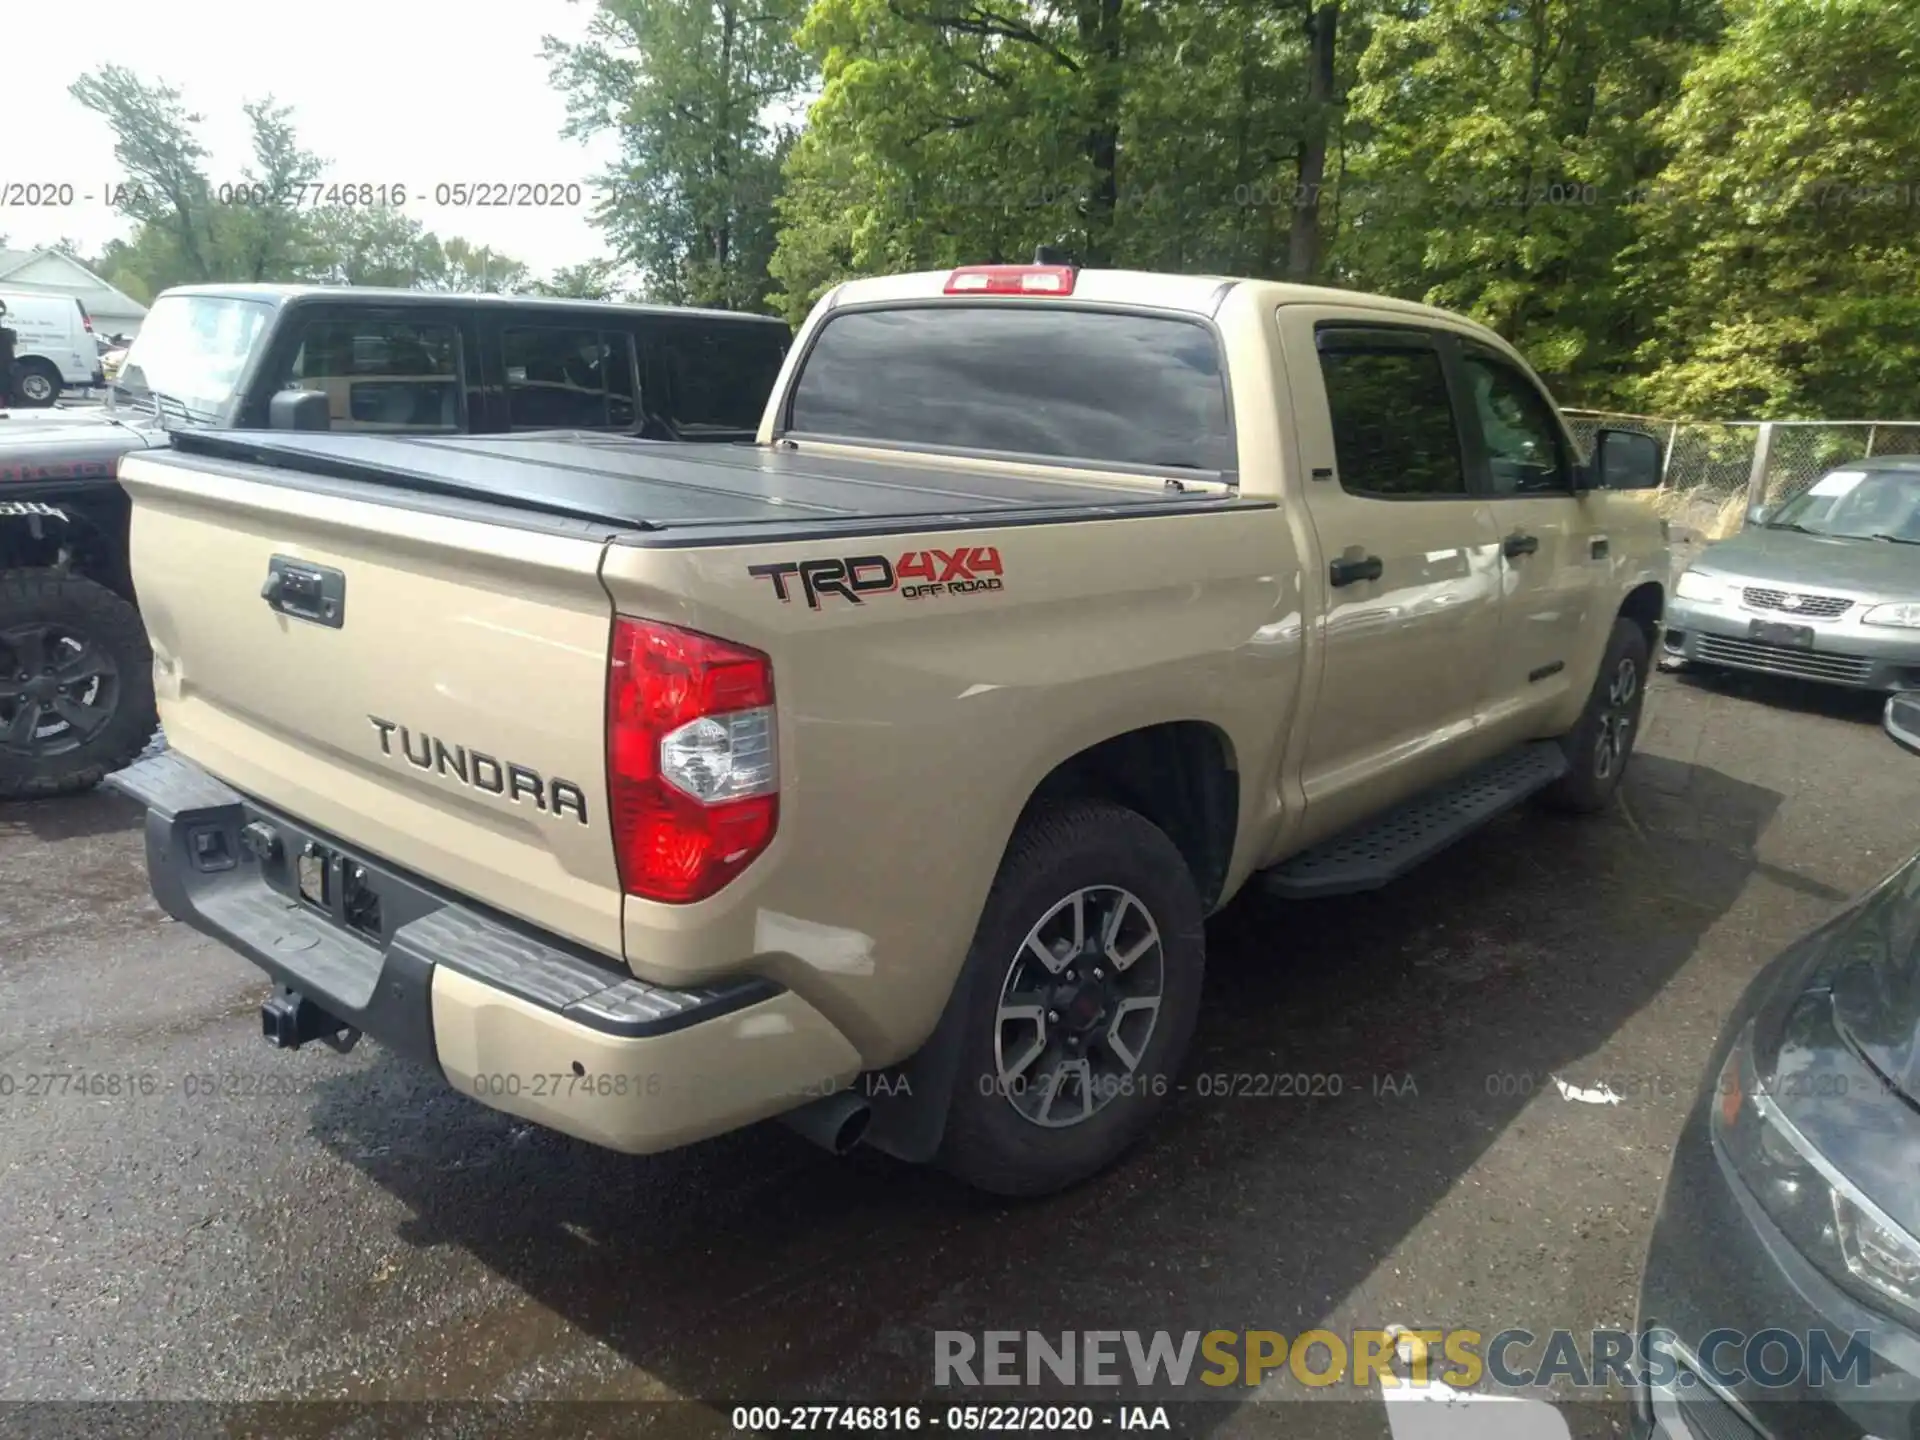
(880,774)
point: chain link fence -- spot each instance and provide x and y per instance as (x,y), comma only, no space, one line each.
(1716,469)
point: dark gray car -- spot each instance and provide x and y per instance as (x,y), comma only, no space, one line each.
(1790,1228)
(1826,587)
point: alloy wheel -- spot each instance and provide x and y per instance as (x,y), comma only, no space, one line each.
(1078,1007)
(1616,719)
(57,689)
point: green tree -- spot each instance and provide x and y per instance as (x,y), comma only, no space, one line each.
(590,280)
(1184,137)
(463,266)
(694,90)
(162,161)
(1494,148)
(1780,248)
(187,230)
(363,245)
(268,242)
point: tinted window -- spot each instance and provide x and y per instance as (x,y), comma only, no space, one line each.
(1524,451)
(567,379)
(381,374)
(1393,427)
(1112,389)
(718,376)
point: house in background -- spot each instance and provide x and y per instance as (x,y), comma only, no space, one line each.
(50,272)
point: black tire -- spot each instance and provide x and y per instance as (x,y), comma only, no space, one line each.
(36,384)
(1594,768)
(93,639)
(1060,851)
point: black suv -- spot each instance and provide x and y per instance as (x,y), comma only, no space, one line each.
(76,694)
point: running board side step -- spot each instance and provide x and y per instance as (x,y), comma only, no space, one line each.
(1389,845)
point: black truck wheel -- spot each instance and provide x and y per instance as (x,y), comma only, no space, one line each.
(76,684)
(1082,987)
(35,383)
(1599,746)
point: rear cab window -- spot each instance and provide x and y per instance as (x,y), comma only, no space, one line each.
(1119,390)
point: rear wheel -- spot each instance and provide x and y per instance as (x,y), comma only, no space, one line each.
(1083,984)
(1600,745)
(76,684)
(35,383)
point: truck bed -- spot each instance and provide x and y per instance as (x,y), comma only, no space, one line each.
(681,493)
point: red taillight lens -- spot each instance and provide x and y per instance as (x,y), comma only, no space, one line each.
(692,760)
(1011,280)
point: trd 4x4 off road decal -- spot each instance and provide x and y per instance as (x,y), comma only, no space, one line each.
(31,507)
(969,570)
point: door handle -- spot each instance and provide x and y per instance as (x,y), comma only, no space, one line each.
(1346,572)
(1516,545)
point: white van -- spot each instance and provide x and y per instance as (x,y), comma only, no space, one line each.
(53,347)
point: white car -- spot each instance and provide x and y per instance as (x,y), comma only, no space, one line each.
(53,348)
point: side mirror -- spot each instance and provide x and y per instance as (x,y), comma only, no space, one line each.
(299,410)
(1626,460)
(1758,514)
(1902,719)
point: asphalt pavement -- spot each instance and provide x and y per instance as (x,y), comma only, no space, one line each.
(232,1223)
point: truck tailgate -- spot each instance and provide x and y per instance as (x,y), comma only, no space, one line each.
(446,714)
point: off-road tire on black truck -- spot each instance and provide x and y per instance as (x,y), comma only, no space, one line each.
(1600,744)
(998,1137)
(76,684)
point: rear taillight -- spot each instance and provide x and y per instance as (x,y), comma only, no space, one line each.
(693,771)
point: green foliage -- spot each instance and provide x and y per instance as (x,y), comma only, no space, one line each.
(1495,151)
(693,89)
(594,280)
(1780,246)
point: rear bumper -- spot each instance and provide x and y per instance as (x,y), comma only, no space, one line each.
(1844,652)
(525,1023)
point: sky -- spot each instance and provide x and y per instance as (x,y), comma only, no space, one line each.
(411,92)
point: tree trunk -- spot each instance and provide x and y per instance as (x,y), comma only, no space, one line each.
(1303,240)
(1099,25)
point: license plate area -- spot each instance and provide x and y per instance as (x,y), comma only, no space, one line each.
(355,891)
(313,872)
(344,890)
(1775,632)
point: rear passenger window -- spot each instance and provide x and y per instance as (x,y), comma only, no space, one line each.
(381,374)
(1393,426)
(1086,385)
(568,379)
(718,376)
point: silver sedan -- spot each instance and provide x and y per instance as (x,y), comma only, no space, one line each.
(1826,587)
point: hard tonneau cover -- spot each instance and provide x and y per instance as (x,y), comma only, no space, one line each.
(677,494)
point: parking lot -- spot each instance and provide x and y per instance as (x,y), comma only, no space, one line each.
(241,1224)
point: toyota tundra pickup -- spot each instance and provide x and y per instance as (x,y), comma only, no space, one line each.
(880,774)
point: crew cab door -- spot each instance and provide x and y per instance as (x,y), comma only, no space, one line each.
(1409,571)
(1553,545)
